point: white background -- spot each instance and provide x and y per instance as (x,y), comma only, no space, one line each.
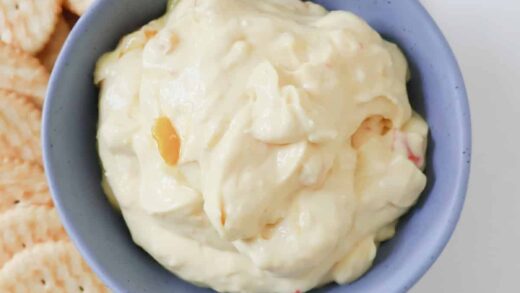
(484,253)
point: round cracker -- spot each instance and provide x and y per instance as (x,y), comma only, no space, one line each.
(22,73)
(49,267)
(24,227)
(22,183)
(78,6)
(28,24)
(19,127)
(51,51)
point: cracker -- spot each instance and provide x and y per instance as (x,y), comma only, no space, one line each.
(49,267)
(19,127)
(23,227)
(51,51)
(22,183)
(22,73)
(78,6)
(28,24)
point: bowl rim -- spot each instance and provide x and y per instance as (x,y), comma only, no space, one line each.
(419,267)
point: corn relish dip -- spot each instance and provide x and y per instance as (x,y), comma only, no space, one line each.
(259,146)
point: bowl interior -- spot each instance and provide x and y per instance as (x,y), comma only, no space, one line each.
(69,140)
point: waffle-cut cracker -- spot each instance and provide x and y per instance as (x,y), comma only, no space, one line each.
(51,51)
(28,24)
(22,73)
(19,127)
(24,227)
(22,184)
(78,6)
(47,268)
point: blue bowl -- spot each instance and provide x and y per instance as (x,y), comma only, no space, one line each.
(71,160)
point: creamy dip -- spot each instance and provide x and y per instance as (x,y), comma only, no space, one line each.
(259,146)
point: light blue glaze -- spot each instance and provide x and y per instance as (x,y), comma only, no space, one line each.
(69,129)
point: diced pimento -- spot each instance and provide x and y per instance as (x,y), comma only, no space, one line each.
(415,159)
(401,141)
(168,142)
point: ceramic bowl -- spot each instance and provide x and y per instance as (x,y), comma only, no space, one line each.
(71,161)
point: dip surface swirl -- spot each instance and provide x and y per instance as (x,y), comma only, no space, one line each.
(259,146)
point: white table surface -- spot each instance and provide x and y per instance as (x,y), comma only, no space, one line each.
(484,253)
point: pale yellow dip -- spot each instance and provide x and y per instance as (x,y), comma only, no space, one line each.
(297,149)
